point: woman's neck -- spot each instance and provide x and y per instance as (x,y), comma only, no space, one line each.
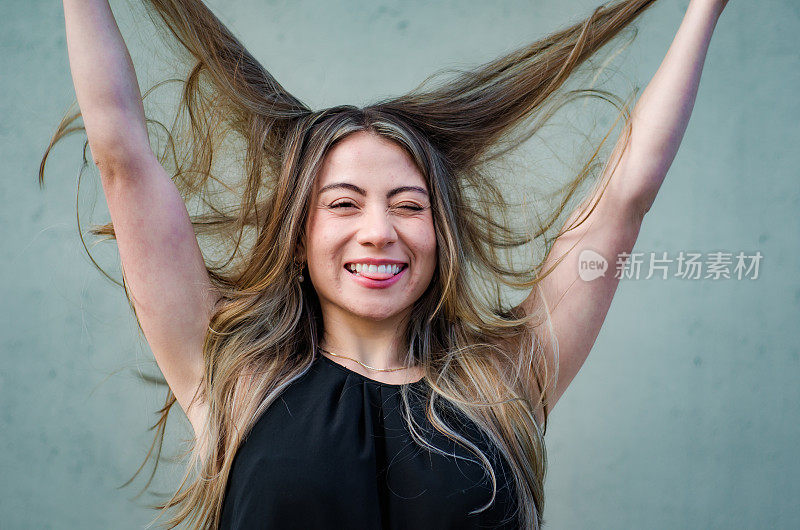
(378,344)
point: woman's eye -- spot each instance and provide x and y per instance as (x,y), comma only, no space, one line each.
(347,204)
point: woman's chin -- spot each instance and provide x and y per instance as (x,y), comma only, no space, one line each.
(376,313)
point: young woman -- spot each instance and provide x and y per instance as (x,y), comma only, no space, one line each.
(344,366)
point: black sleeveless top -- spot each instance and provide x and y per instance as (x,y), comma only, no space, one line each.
(333,452)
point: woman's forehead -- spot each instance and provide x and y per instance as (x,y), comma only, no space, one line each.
(369,162)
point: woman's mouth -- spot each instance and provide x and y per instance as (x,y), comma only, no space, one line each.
(375,272)
(376,276)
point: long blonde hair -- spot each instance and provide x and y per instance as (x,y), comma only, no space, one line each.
(477,354)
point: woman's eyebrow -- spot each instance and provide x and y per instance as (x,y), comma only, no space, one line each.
(360,191)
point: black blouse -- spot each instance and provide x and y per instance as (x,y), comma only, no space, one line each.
(334,452)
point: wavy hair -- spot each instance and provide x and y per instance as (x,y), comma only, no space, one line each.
(479,355)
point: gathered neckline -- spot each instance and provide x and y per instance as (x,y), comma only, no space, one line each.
(368,379)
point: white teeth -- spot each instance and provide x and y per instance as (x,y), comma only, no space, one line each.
(379,269)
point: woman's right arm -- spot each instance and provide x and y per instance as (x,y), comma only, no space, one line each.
(105,83)
(162,262)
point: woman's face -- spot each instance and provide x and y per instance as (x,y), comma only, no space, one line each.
(369,208)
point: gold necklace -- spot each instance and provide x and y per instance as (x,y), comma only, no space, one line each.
(362,364)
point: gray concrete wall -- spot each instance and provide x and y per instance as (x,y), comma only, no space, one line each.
(686,413)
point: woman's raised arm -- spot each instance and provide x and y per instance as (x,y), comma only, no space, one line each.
(162,263)
(578,304)
(105,82)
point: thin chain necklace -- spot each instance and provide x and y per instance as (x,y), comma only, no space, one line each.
(362,364)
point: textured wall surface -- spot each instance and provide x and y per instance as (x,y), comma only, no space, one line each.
(686,413)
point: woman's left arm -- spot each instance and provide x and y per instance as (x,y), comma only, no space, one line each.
(578,306)
(660,117)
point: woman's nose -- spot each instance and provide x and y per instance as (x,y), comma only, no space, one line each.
(376,228)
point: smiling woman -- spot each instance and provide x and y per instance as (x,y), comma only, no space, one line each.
(369,207)
(378,234)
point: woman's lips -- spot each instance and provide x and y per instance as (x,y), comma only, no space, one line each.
(376,280)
